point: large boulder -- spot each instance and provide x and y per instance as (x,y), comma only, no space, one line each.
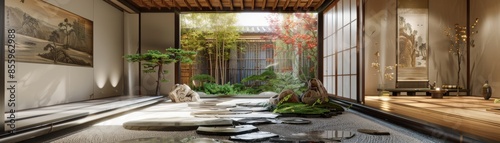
(315,92)
(183,93)
(286,96)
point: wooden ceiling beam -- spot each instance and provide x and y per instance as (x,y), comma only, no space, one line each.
(296,5)
(264,4)
(220,5)
(275,4)
(176,4)
(187,4)
(156,4)
(286,4)
(209,4)
(308,4)
(145,4)
(166,4)
(319,4)
(198,5)
(253,4)
(242,4)
(231,4)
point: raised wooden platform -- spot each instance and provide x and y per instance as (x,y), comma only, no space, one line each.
(413,91)
(462,116)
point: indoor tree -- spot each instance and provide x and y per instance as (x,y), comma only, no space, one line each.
(295,37)
(153,61)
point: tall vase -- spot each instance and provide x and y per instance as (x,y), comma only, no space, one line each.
(486,91)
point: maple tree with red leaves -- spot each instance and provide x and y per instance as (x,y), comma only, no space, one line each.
(295,42)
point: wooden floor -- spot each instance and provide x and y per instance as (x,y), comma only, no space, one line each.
(471,116)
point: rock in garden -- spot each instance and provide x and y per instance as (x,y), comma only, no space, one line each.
(288,96)
(315,92)
(182,93)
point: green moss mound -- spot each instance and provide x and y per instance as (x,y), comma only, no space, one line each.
(299,108)
(331,106)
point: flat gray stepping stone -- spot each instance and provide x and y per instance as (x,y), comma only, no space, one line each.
(251,115)
(373,132)
(295,121)
(175,140)
(331,135)
(253,109)
(175,123)
(254,137)
(295,140)
(254,121)
(226,131)
(250,104)
(220,112)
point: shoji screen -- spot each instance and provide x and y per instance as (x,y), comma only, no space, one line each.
(340,49)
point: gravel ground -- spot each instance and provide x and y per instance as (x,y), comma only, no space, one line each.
(112,131)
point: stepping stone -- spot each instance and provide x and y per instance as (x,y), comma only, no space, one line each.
(250,104)
(209,104)
(253,121)
(373,132)
(220,112)
(175,140)
(253,109)
(295,121)
(251,115)
(254,137)
(331,135)
(295,140)
(175,123)
(226,131)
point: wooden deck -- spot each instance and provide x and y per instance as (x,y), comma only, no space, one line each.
(470,116)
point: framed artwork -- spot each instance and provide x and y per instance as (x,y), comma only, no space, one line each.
(412,47)
(48,34)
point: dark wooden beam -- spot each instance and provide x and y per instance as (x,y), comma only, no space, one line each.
(177,37)
(264,4)
(319,4)
(209,4)
(275,4)
(242,4)
(253,4)
(176,4)
(220,5)
(231,4)
(156,4)
(286,4)
(145,4)
(166,4)
(129,5)
(468,50)
(187,4)
(198,5)
(308,4)
(296,5)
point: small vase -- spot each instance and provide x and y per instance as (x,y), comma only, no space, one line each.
(486,91)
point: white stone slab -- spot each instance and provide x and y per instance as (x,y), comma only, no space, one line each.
(175,123)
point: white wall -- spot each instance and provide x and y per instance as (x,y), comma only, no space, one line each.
(485,56)
(443,66)
(131,40)
(47,84)
(380,35)
(108,50)
(157,33)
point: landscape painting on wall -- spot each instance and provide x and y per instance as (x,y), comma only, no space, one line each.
(412,46)
(48,34)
